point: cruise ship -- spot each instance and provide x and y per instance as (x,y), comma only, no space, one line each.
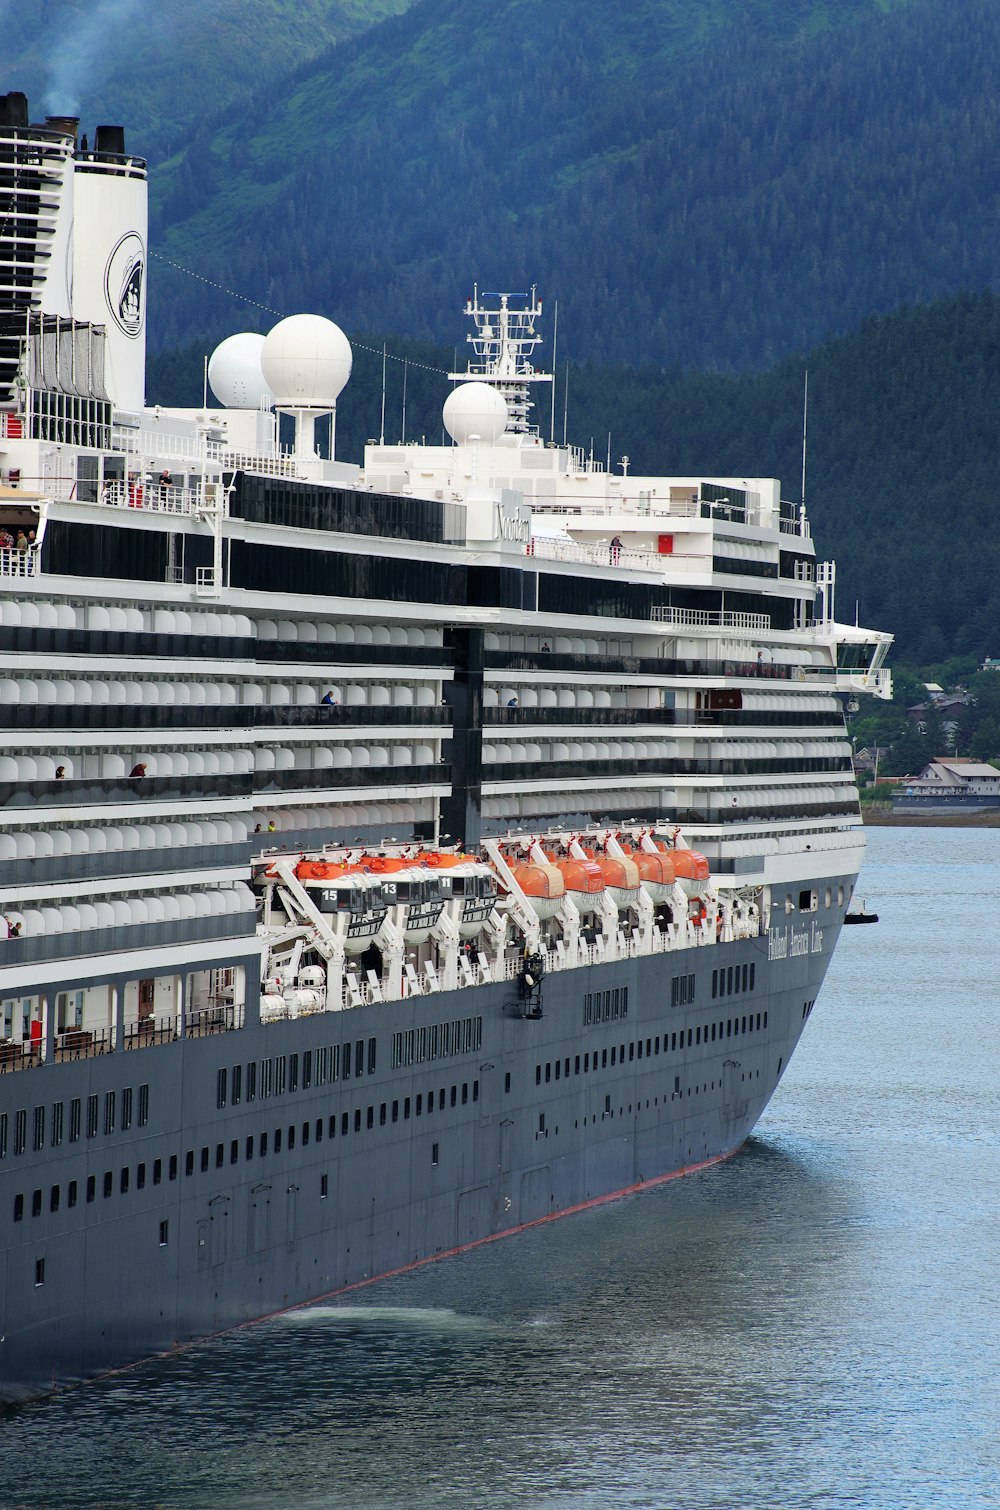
(393,854)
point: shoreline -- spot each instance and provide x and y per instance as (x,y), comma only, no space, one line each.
(988,819)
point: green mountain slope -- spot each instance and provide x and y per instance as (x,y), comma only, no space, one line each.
(903,489)
(707,185)
(161,68)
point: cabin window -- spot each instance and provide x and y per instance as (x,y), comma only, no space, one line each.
(143,1105)
(126,1108)
(293,1072)
(71,1193)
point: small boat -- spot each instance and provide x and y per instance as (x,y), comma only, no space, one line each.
(864,916)
(543,885)
(692,871)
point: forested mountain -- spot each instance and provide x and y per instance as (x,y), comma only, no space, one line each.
(903,487)
(159,68)
(701,186)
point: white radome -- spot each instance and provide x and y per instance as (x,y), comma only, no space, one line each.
(475,412)
(235,373)
(306,360)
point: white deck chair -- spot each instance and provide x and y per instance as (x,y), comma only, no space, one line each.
(375,986)
(466,971)
(413,981)
(432,976)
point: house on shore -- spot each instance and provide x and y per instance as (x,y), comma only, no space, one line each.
(949,786)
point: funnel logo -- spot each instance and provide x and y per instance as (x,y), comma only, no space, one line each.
(125,284)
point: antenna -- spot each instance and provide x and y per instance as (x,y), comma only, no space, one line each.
(402,441)
(805,425)
(502,345)
(565,403)
(555,338)
(381,433)
(204,386)
(609,452)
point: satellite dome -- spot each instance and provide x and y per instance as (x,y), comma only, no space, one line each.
(306,361)
(235,374)
(475,411)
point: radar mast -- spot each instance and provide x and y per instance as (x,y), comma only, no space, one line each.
(502,344)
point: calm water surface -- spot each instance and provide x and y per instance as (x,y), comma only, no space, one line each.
(813,1324)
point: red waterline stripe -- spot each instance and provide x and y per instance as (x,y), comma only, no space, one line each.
(418,1263)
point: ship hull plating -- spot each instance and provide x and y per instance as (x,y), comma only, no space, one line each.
(213,1214)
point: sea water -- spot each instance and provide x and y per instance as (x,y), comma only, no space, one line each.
(814,1323)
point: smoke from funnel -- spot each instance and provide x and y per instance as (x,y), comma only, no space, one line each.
(83,47)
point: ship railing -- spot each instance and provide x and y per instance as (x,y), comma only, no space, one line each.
(83,1043)
(703,618)
(220,1016)
(603,553)
(146,1031)
(15,563)
(642,502)
(19,1056)
(246,461)
(159,497)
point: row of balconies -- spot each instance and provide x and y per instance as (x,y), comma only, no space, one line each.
(111,925)
(119,838)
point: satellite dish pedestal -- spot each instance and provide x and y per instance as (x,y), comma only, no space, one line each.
(306,361)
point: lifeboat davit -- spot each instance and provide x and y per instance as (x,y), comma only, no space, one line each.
(657,874)
(584,879)
(543,885)
(692,871)
(621,880)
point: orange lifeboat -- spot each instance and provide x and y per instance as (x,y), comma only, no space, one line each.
(621,880)
(440,859)
(583,878)
(657,874)
(320,870)
(543,885)
(692,871)
(381,865)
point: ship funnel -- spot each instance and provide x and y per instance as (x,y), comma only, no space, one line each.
(14,110)
(66,125)
(110,140)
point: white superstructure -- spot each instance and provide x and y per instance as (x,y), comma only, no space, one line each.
(212,649)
